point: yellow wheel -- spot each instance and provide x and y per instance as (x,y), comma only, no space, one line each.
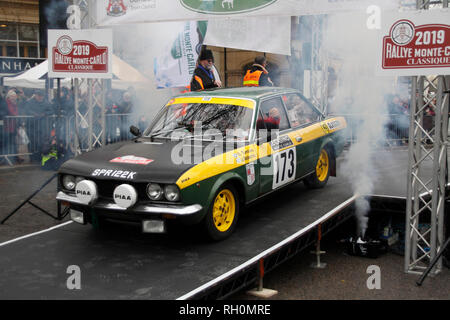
(319,178)
(224,210)
(221,219)
(323,166)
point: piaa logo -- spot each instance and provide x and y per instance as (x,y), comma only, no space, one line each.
(402,32)
(116,8)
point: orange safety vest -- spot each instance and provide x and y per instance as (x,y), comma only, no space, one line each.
(251,79)
(199,80)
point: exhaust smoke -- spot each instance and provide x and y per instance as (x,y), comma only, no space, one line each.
(360,96)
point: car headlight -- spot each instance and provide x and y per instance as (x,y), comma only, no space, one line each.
(154,191)
(171,192)
(68,182)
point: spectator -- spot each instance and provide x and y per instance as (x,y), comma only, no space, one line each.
(67,103)
(22,142)
(65,108)
(10,123)
(126,105)
(124,108)
(21,97)
(203,77)
(257,75)
(398,123)
(38,107)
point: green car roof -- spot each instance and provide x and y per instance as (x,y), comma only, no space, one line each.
(241,92)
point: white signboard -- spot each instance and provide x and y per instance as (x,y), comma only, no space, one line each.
(414,43)
(113,12)
(80,53)
(251,33)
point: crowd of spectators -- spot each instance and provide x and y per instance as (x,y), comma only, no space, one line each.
(17,107)
(31,122)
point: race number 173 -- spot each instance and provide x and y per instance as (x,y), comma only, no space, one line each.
(284,165)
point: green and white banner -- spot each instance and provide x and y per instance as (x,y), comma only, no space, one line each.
(175,68)
(114,12)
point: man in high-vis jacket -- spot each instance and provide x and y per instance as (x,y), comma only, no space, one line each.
(257,75)
(203,77)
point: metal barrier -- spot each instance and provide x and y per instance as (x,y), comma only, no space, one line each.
(25,138)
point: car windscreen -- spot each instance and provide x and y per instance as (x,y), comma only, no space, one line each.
(204,120)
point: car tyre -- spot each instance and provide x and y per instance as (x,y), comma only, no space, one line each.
(221,218)
(319,178)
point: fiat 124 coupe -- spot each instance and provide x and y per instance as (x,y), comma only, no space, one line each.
(205,156)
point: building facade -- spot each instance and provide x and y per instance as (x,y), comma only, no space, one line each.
(19,36)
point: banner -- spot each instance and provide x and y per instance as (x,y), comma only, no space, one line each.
(175,69)
(414,44)
(17,65)
(114,12)
(263,34)
(80,53)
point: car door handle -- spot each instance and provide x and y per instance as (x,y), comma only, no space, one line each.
(298,139)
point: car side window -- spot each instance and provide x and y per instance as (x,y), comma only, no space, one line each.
(299,111)
(274,114)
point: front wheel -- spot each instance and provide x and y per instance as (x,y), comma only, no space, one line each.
(319,178)
(222,215)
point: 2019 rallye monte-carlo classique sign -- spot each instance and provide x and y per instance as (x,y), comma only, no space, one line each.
(80,53)
(414,44)
(204,158)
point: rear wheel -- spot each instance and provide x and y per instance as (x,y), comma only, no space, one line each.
(222,215)
(319,178)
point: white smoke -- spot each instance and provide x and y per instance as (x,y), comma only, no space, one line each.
(139,45)
(361,95)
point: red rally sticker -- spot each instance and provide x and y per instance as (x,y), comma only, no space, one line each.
(132,159)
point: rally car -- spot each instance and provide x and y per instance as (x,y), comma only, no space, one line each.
(205,156)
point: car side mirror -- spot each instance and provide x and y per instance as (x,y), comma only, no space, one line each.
(135,131)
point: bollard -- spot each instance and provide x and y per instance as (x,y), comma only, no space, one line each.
(318,264)
(260,291)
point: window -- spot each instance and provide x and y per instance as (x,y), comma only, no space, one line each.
(274,113)
(8,31)
(19,40)
(203,119)
(28,32)
(299,111)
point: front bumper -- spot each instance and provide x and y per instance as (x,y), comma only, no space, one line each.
(147,210)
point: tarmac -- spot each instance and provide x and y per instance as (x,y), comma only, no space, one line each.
(345,277)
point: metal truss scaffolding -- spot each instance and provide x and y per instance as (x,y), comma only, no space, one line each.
(90,114)
(426,191)
(89,95)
